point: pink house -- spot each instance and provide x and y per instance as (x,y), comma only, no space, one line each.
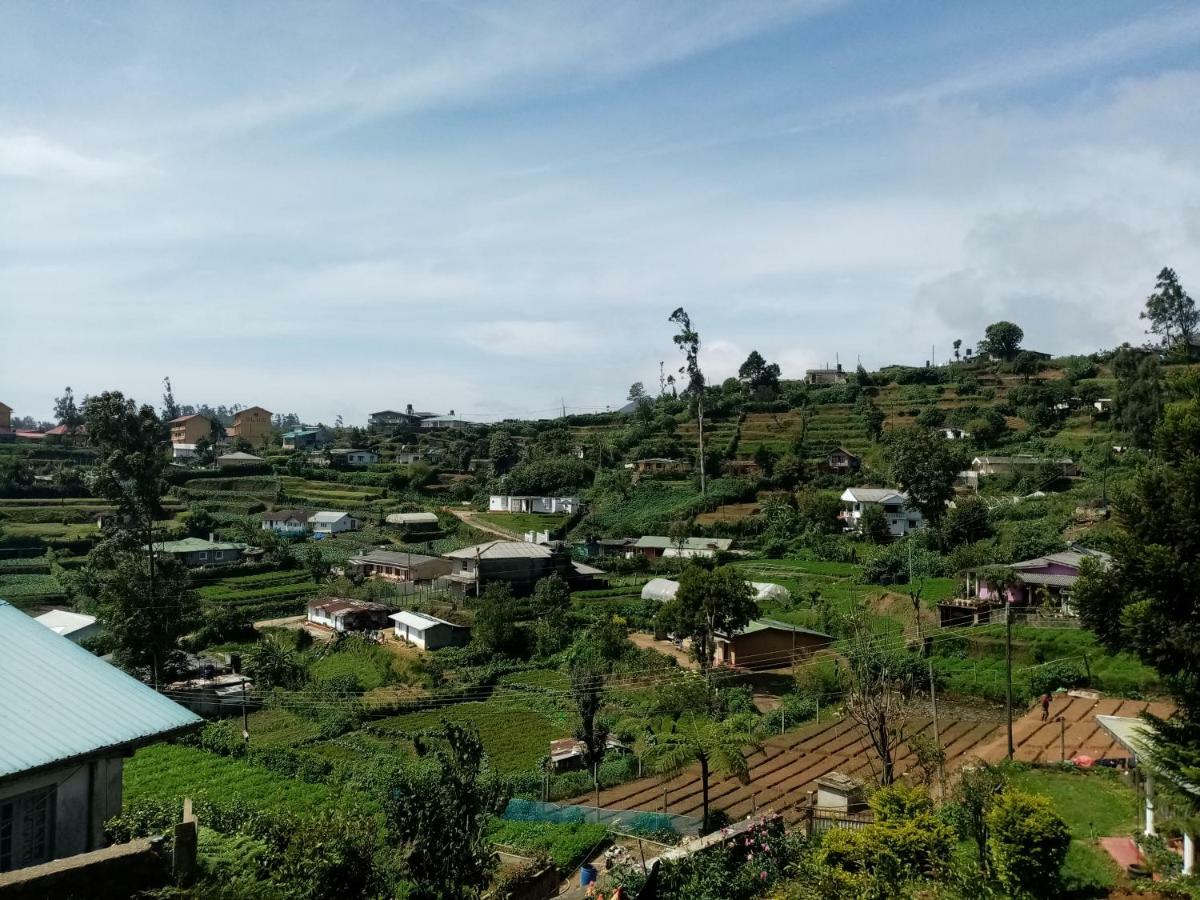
(1045,582)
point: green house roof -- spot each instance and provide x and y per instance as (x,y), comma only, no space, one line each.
(61,703)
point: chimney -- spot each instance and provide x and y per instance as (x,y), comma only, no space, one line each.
(212,537)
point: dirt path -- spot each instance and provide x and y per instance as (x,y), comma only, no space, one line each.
(470,518)
(647,642)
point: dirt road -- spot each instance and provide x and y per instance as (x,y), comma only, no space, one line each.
(470,518)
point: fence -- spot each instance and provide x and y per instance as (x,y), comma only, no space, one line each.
(631,820)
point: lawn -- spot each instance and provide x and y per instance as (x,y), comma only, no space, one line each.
(537,679)
(280,728)
(1096,803)
(515,736)
(371,665)
(565,844)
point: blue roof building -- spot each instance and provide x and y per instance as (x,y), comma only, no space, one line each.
(67,720)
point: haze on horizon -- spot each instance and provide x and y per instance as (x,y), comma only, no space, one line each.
(493,207)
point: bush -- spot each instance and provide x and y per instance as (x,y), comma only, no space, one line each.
(1027,843)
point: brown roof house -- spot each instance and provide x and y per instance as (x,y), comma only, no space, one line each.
(841,461)
(252,424)
(343,614)
(394,565)
(768,644)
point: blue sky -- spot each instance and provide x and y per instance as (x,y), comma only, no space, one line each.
(331,208)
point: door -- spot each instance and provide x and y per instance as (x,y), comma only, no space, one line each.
(27,829)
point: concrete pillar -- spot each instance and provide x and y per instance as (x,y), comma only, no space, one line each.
(1189,854)
(1149,829)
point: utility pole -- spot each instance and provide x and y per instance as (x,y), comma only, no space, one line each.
(700,420)
(477,573)
(245,719)
(937,736)
(1008,703)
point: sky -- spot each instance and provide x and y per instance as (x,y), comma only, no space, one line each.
(333,208)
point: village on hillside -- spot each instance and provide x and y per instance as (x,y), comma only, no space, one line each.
(790,622)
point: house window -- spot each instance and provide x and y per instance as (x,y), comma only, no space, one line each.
(203,556)
(27,829)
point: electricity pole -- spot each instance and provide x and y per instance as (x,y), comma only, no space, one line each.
(700,420)
(1008,671)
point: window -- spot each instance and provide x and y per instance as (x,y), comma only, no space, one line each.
(27,829)
(203,556)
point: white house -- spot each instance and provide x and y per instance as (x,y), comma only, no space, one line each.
(1103,404)
(512,504)
(332,522)
(75,627)
(344,614)
(183,451)
(408,457)
(428,632)
(354,457)
(955,434)
(288,522)
(901,518)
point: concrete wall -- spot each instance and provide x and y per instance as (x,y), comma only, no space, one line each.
(114,873)
(88,787)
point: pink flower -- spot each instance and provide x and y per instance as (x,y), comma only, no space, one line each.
(763,875)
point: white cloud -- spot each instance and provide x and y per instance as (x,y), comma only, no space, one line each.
(35,157)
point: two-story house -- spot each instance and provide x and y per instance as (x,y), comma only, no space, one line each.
(252,424)
(900,516)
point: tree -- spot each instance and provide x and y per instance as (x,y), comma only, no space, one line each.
(718,746)
(1138,403)
(977,787)
(441,809)
(637,393)
(1171,312)
(145,610)
(1027,843)
(678,532)
(66,412)
(130,465)
(879,699)
(495,627)
(170,409)
(925,465)
(551,593)
(1002,340)
(269,664)
(200,522)
(873,524)
(1027,364)
(957,346)
(872,418)
(687,339)
(503,451)
(588,669)
(314,560)
(1147,600)
(708,602)
(760,377)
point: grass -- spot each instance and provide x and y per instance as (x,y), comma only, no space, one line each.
(515,737)
(564,844)
(1096,803)
(370,664)
(280,728)
(541,679)
(26,587)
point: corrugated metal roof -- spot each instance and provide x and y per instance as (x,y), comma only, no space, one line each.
(195,545)
(500,550)
(873,495)
(419,620)
(328,516)
(63,621)
(396,558)
(412,518)
(60,702)
(660,542)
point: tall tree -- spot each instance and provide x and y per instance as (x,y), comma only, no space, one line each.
(441,809)
(957,348)
(708,602)
(1171,311)
(1002,340)
(718,746)
(1139,396)
(687,339)
(925,465)
(757,375)
(66,411)
(637,392)
(1027,364)
(170,409)
(1148,600)
(879,699)
(588,667)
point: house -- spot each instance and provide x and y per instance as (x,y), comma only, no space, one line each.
(1103,404)
(343,614)
(305,438)
(511,504)
(516,563)
(288,522)
(825,376)
(187,430)
(429,632)
(75,627)
(195,552)
(389,419)
(407,457)
(252,425)
(841,461)
(414,522)
(395,565)
(570,753)
(5,419)
(768,644)
(656,546)
(955,434)
(70,719)
(1020,465)
(741,468)
(212,695)
(900,517)
(1044,583)
(447,421)
(332,522)
(658,465)
(239,460)
(347,457)
(593,547)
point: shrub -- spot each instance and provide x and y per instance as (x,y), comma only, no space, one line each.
(1027,843)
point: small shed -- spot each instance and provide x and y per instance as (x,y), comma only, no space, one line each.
(429,632)
(840,792)
(768,644)
(343,614)
(74,626)
(415,521)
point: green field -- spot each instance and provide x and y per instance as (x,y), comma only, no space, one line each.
(515,736)
(519,523)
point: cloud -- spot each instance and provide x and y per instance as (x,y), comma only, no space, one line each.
(32,156)
(533,339)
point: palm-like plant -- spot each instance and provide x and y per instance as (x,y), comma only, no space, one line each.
(717,745)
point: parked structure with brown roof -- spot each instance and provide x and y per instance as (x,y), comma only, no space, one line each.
(344,614)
